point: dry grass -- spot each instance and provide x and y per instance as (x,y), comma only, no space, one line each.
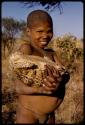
(71,110)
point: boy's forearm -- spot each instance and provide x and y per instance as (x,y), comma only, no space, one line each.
(27,90)
(21,88)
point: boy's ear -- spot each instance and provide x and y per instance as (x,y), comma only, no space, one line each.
(28,31)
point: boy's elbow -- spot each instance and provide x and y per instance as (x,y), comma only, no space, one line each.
(18,91)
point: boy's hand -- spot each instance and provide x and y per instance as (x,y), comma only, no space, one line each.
(23,89)
(52,79)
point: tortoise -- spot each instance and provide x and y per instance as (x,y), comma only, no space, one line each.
(30,68)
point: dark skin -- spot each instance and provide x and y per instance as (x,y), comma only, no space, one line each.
(40,35)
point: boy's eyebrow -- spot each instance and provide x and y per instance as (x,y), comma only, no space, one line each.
(37,29)
(42,30)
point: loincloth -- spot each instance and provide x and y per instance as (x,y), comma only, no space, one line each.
(30,69)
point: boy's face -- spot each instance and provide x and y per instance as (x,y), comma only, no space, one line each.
(40,34)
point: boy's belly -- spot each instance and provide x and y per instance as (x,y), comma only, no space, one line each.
(39,104)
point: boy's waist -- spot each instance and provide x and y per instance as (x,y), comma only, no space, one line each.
(40,104)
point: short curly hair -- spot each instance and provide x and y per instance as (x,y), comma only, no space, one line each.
(37,16)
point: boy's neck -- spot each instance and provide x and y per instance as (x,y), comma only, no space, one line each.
(37,51)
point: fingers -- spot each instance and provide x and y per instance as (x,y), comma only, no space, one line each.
(52,78)
(51,71)
(43,90)
(50,89)
(49,86)
(47,83)
(56,74)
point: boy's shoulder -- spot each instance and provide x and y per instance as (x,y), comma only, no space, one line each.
(19,43)
(24,47)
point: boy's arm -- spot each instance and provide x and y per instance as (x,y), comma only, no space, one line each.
(23,89)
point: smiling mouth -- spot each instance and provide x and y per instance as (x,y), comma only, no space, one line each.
(44,43)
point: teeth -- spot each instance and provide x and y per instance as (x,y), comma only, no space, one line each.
(43,42)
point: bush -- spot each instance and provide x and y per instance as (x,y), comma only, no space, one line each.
(69,49)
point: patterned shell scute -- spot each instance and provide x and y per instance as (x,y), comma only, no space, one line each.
(30,69)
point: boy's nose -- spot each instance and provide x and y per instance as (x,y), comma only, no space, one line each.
(45,35)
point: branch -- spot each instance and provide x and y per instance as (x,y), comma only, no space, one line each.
(48,5)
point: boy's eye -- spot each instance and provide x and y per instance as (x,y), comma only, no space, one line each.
(40,31)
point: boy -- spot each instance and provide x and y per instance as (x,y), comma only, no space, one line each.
(36,105)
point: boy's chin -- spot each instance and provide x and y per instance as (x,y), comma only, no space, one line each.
(39,46)
(43,47)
